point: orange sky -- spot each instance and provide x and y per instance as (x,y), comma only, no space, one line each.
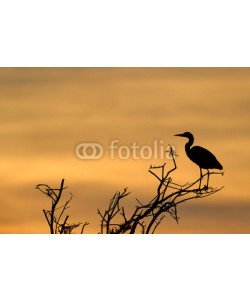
(47,112)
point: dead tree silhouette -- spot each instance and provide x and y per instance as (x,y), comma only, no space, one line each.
(145,217)
(200,156)
(55,216)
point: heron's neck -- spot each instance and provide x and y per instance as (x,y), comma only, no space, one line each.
(189,144)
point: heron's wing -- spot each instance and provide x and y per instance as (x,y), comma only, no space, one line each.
(204,158)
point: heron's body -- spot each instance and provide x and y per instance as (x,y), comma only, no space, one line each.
(199,155)
(203,158)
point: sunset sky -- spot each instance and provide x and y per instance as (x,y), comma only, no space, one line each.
(47,112)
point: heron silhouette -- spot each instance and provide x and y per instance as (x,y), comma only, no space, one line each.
(200,156)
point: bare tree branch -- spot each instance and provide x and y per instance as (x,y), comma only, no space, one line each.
(56,212)
(147,217)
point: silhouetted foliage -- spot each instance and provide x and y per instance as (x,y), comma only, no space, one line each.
(145,217)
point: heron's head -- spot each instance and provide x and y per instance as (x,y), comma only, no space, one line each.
(186,135)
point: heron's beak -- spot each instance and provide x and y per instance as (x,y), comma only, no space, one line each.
(181,134)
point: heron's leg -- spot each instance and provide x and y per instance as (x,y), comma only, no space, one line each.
(200,178)
(208,177)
